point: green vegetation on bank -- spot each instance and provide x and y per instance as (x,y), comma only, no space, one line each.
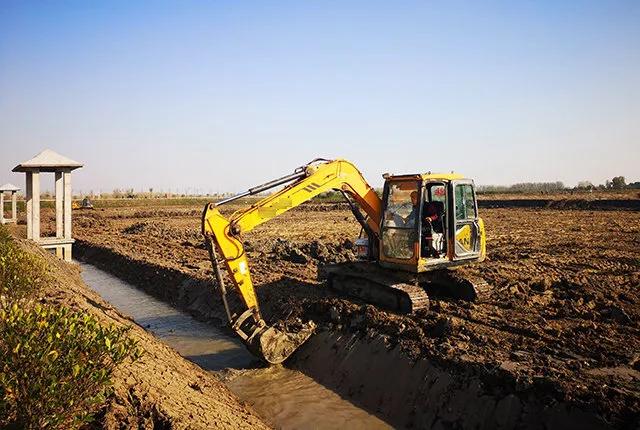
(55,363)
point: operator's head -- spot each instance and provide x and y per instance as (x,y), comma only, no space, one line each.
(414,198)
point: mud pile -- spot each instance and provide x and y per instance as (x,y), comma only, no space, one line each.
(314,251)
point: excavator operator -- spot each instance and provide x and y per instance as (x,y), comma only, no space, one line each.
(430,214)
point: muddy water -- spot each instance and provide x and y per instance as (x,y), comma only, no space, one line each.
(285,397)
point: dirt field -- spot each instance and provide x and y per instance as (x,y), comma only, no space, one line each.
(595,195)
(561,321)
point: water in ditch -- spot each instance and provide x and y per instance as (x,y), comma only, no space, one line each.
(285,397)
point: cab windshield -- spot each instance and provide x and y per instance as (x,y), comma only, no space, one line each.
(401,214)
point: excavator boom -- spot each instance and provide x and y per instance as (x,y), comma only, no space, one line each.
(224,241)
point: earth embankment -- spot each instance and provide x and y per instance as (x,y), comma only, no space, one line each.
(161,389)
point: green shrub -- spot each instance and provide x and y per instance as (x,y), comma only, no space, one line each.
(21,274)
(56,365)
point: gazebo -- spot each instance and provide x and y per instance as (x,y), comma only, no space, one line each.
(10,188)
(50,162)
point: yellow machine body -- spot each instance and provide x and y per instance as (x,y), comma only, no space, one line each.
(465,238)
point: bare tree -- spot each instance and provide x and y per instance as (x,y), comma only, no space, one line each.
(618,182)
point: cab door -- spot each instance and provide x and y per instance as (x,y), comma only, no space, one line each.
(400,241)
(465,234)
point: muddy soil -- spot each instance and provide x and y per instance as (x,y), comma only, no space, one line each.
(160,390)
(627,194)
(561,321)
(581,204)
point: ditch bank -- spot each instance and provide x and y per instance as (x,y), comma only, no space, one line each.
(160,390)
(286,398)
(430,395)
(368,368)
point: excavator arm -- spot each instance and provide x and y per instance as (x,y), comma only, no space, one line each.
(224,241)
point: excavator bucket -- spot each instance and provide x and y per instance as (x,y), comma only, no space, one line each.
(275,346)
(269,343)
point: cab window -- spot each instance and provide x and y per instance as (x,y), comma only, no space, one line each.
(400,232)
(465,202)
(400,211)
(437,193)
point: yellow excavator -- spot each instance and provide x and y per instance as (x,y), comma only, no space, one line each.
(411,238)
(83,204)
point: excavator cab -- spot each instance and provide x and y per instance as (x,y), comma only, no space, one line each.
(429,221)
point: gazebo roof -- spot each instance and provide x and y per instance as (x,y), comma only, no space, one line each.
(47,161)
(8,187)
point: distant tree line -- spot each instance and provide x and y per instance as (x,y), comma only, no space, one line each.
(523,187)
(130,193)
(615,183)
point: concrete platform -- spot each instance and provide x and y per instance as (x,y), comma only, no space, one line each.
(61,246)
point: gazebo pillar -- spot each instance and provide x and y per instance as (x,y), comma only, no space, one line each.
(14,202)
(67,212)
(59,207)
(34,216)
(14,206)
(29,204)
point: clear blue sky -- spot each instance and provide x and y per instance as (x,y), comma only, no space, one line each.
(218,96)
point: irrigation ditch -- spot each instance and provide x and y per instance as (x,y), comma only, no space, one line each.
(280,395)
